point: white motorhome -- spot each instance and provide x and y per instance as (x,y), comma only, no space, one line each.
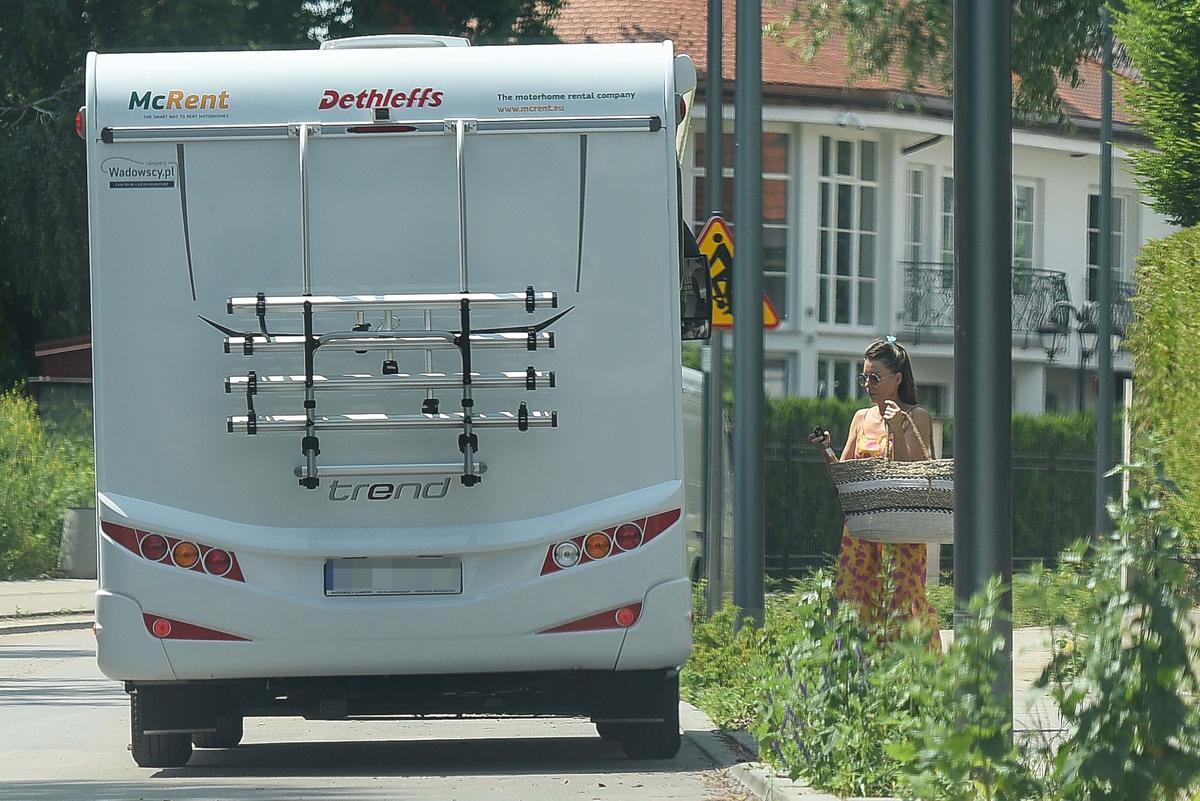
(387,386)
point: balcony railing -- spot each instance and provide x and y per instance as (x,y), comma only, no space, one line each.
(929,299)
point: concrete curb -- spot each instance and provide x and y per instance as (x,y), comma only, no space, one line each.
(35,623)
(699,730)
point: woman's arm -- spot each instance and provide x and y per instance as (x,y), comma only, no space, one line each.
(907,446)
(851,449)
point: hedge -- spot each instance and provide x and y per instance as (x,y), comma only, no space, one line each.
(1165,342)
(1053,458)
(44,473)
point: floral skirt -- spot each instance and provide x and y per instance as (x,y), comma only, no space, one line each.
(868,571)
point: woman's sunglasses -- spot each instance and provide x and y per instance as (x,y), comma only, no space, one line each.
(869,379)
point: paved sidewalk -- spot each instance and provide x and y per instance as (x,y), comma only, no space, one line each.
(46,605)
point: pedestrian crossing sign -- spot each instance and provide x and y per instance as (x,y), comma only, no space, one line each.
(716,243)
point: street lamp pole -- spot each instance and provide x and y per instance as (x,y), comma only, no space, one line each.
(1104,299)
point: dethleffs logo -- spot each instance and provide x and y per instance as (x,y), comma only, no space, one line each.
(178,99)
(421,97)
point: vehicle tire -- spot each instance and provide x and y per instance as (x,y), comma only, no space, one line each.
(156,750)
(610,732)
(228,733)
(656,740)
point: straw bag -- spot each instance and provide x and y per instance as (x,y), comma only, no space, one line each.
(890,501)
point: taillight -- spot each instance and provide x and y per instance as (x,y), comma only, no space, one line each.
(566,554)
(79,121)
(185,554)
(682,108)
(154,547)
(597,545)
(217,562)
(188,555)
(627,616)
(161,627)
(628,537)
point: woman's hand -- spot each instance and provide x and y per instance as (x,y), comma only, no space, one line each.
(825,443)
(893,416)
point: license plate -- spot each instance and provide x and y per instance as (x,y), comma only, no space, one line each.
(422,575)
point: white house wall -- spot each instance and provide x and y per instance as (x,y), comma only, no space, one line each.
(1063,169)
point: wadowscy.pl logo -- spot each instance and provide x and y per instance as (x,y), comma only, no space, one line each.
(123,173)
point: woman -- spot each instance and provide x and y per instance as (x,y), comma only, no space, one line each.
(867,571)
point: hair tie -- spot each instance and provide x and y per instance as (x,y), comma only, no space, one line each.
(891,340)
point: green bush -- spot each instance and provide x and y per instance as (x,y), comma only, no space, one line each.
(829,708)
(1163,340)
(44,474)
(1053,458)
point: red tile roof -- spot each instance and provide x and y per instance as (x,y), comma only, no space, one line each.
(785,71)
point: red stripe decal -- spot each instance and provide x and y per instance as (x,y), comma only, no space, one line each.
(121,535)
(187,631)
(601,620)
(659,523)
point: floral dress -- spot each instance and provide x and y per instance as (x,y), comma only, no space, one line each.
(863,565)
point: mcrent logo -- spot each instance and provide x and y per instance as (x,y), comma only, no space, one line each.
(179,100)
(421,97)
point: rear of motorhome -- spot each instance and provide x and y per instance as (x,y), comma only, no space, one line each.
(387,385)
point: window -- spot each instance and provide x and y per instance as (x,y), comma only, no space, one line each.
(933,398)
(1093,243)
(947,220)
(1022,223)
(914,229)
(838,378)
(775,376)
(848,226)
(776,149)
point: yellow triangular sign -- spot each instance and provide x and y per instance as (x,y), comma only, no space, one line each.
(716,243)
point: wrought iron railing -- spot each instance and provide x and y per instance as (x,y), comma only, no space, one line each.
(929,299)
(1122,312)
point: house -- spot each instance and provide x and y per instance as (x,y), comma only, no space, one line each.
(858,216)
(63,386)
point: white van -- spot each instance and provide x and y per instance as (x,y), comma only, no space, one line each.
(387,385)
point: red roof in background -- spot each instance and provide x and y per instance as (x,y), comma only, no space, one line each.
(785,71)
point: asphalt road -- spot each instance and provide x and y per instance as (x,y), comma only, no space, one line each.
(64,735)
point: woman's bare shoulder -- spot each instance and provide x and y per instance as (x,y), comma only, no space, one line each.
(919,412)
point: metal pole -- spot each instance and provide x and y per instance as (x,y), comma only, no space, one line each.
(983,305)
(1079,379)
(749,523)
(714,475)
(1104,325)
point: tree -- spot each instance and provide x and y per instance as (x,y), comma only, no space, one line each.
(915,38)
(481,20)
(1162,40)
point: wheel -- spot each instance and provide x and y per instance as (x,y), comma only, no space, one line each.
(651,740)
(156,750)
(228,733)
(656,740)
(610,731)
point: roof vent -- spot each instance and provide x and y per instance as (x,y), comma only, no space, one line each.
(393,40)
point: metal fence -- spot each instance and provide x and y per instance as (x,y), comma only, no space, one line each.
(1053,494)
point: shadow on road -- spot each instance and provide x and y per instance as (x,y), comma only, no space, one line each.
(431,758)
